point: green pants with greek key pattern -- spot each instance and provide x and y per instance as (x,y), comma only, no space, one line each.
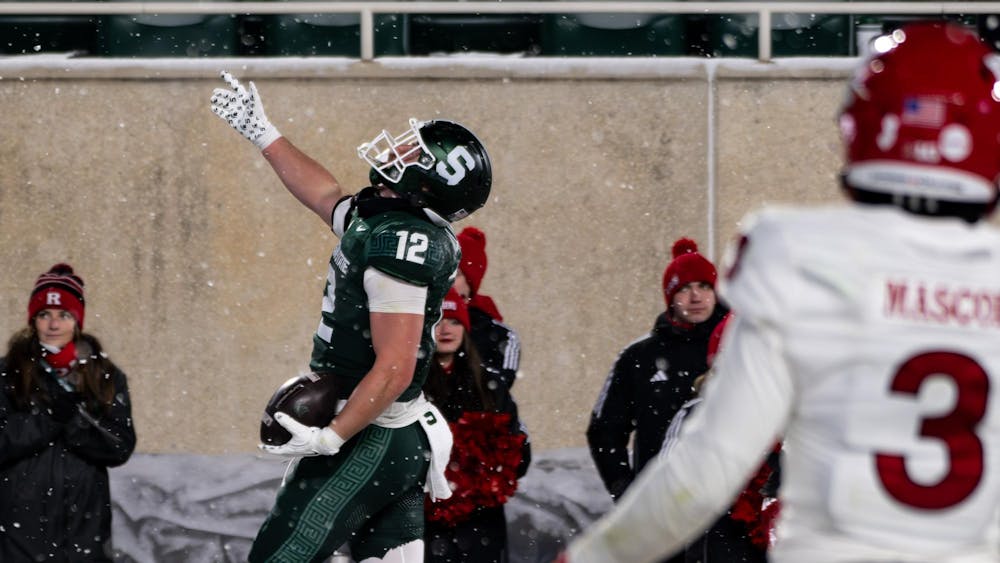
(370,495)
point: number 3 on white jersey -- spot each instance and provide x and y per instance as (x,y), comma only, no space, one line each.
(927,477)
(954,430)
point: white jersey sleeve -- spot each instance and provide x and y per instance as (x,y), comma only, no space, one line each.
(387,294)
(760,274)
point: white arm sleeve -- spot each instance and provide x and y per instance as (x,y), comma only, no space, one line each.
(387,294)
(747,402)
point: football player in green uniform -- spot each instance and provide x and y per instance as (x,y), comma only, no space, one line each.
(361,479)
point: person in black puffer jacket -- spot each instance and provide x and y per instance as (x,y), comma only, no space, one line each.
(65,418)
(652,377)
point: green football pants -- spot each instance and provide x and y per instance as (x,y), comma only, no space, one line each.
(370,495)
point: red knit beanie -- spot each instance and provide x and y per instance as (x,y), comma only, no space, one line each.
(453,307)
(59,288)
(473,264)
(687,266)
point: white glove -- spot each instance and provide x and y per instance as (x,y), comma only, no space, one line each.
(306,440)
(244,112)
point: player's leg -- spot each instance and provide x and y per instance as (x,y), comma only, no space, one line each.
(394,532)
(399,524)
(326,499)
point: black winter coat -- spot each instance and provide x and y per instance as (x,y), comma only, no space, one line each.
(55,503)
(498,345)
(649,382)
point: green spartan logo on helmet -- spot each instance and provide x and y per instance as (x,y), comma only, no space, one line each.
(458,180)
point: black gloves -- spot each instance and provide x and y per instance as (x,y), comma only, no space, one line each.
(62,403)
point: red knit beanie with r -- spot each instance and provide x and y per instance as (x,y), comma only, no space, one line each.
(473,264)
(59,288)
(687,266)
(453,307)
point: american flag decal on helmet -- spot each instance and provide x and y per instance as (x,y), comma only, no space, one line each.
(923,111)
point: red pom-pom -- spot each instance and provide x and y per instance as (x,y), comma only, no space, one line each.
(757,512)
(482,469)
(684,246)
(62,269)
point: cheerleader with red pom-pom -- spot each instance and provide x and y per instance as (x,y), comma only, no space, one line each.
(491,449)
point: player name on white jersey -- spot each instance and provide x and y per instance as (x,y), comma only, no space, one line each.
(342,262)
(943,303)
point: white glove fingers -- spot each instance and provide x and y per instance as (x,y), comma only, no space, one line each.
(253,102)
(284,451)
(244,112)
(288,423)
(231,80)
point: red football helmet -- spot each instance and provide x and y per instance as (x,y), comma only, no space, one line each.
(922,123)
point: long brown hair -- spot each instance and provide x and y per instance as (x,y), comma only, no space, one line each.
(463,389)
(24,372)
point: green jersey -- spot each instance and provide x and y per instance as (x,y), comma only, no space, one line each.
(409,244)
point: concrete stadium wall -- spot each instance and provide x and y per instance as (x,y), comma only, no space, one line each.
(204,276)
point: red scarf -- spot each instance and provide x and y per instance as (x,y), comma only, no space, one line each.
(63,359)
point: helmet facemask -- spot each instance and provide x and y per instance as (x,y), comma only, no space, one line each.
(390,155)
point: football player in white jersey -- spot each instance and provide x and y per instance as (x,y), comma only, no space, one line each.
(867,336)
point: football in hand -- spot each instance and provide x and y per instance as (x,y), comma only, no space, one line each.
(310,399)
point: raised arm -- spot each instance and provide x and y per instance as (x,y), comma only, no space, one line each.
(306,179)
(312,184)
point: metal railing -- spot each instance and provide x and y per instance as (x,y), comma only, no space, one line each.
(367,10)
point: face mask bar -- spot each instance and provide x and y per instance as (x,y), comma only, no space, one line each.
(390,156)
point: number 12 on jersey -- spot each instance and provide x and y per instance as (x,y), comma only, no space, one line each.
(411,246)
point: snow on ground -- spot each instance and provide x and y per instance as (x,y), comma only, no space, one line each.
(181,508)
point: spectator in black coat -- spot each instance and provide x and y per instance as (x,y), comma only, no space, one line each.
(462,390)
(652,377)
(65,417)
(497,343)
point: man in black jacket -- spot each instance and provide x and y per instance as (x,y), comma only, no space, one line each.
(652,377)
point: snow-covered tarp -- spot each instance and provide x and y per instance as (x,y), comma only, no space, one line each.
(206,508)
